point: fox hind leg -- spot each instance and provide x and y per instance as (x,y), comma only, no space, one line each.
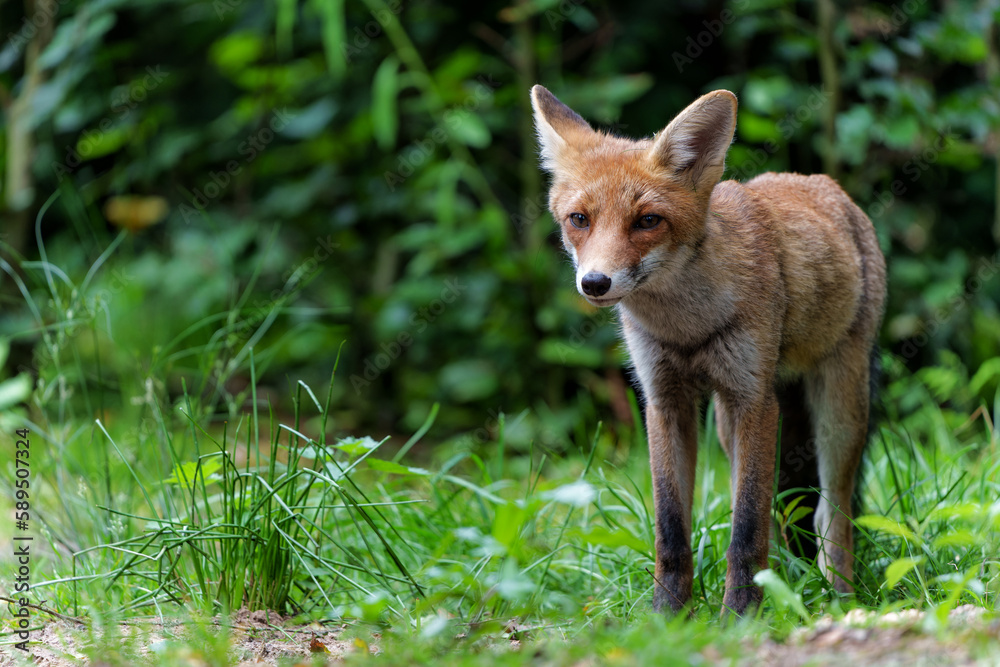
(838,395)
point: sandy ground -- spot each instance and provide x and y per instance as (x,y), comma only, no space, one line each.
(904,639)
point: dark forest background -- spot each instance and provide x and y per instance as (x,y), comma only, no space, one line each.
(290,177)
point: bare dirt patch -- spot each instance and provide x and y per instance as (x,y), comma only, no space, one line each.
(903,639)
(256,638)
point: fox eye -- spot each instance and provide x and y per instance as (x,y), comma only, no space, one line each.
(579,220)
(648,221)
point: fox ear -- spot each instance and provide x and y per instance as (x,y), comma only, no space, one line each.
(695,143)
(557,125)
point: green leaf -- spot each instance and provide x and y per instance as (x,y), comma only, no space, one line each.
(780,592)
(15,390)
(605,537)
(798,513)
(385,118)
(234,52)
(988,371)
(887,525)
(469,129)
(577,494)
(507,523)
(190,473)
(901,132)
(469,380)
(853,127)
(334,36)
(957,538)
(963,511)
(757,129)
(568,353)
(356,446)
(512,583)
(763,95)
(284,24)
(395,468)
(899,569)
(75,36)
(100,143)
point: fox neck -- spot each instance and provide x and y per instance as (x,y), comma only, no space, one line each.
(690,296)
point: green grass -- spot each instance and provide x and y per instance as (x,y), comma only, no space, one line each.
(160,501)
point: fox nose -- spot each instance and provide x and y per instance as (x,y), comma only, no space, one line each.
(595,284)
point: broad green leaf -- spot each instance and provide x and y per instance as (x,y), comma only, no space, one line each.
(469,380)
(15,390)
(791,505)
(758,129)
(356,446)
(74,36)
(988,371)
(798,513)
(284,25)
(99,144)
(385,117)
(957,538)
(434,626)
(887,525)
(507,523)
(512,583)
(901,132)
(783,596)
(234,52)
(764,95)
(395,468)
(577,494)
(333,33)
(966,511)
(605,537)
(853,128)
(468,128)
(190,473)
(899,569)
(569,353)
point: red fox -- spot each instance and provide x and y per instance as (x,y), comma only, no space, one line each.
(768,293)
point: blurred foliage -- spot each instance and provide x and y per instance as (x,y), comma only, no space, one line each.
(290,175)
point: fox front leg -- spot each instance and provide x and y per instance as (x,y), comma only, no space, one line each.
(673,450)
(753,445)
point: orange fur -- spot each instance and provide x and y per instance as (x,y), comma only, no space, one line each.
(736,289)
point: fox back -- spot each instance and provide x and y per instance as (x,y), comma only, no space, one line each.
(768,294)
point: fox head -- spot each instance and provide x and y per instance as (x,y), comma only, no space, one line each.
(632,211)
